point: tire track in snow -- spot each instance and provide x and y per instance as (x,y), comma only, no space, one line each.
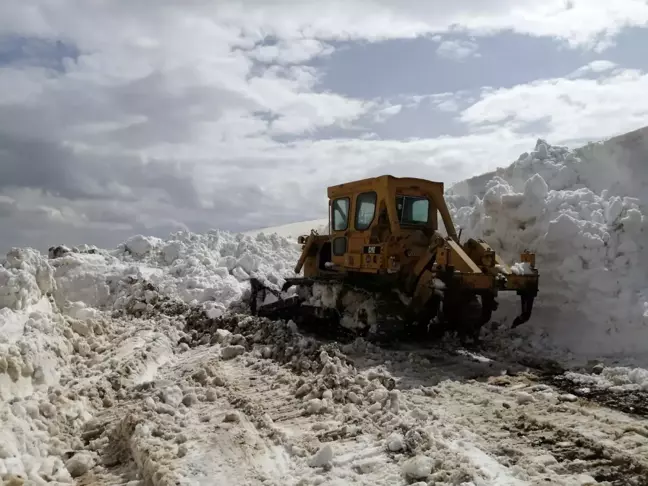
(492,401)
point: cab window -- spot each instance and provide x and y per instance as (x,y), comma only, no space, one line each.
(340,214)
(412,210)
(365,210)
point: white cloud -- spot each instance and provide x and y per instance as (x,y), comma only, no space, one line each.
(457,50)
(579,22)
(448,105)
(571,108)
(593,67)
(139,23)
(292,52)
(385,111)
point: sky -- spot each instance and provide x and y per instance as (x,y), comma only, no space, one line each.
(153,116)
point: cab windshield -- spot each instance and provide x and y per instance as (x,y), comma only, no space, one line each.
(412,210)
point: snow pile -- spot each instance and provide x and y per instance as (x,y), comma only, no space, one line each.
(25,277)
(79,328)
(338,401)
(87,280)
(33,351)
(615,378)
(213,266)
(591,250)
(211,269)
(359,307)
(60,364)
(28,329)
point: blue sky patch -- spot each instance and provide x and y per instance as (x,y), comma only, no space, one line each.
(30,51)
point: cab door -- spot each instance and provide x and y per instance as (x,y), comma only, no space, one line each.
(363,256)
(339,229)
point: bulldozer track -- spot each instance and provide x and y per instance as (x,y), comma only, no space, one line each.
(393,323)
(547,371)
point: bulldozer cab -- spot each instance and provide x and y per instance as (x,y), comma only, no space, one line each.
(367,214)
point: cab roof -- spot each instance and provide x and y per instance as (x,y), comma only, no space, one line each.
(383,182)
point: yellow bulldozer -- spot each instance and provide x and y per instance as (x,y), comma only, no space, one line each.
(386,270)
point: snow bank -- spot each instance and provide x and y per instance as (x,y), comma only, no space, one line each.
(210,269)
(25,277)
(65,329)
(616,378)
(33,349)
(591,247)
(27,325)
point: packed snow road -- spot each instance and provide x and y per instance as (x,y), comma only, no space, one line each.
(247,401)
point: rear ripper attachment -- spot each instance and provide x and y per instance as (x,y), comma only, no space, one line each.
(385,272)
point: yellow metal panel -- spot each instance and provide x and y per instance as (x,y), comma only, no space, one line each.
(353,260)
(372,261)
(311,268)
(305,251)
(481,281)
(528,257)
(442,255)
(460,260)
(339,260)
(521,282)
(425,288)
(423,262)
(357,240)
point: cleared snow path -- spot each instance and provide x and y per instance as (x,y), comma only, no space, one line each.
(248,402)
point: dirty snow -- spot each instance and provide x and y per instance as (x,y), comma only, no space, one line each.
(127,366)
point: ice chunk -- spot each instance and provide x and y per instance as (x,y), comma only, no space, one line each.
(79,464)
(140,245)
(418,467)
(322,457)
(395,442)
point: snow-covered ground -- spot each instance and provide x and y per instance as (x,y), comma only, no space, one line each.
(125,366)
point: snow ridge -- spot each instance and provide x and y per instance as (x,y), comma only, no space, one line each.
(591,249)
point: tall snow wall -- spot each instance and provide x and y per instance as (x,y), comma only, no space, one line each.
(584,213)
